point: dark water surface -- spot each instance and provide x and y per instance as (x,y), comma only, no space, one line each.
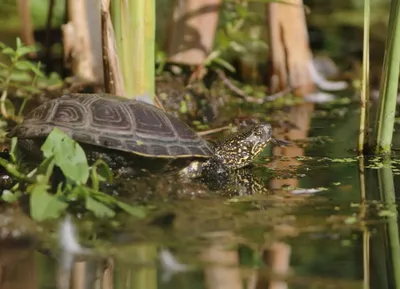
(320,225)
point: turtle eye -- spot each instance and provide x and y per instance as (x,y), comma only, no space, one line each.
(254,137)
(258,133)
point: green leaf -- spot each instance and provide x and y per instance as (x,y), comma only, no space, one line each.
(237,47)
(224,64)
(223,40)
(102,171)
(8,51)
(77,193)
(21,51)
(99,209)
(68,155)
(214,54)
(20,76)
(13,150)
(183,107)
(9,107)
(13,170)
(9,196)
(45,170)
(136,211)
(242,11)
(23,65)
(18,42)
(43,205)
(27,65)
(28,88)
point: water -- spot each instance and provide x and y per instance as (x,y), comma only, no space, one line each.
(318,226)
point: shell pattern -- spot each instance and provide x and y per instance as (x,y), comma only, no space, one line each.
(116,123)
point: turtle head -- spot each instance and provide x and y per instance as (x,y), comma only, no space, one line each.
(236,151)
(259,135)
(242,148)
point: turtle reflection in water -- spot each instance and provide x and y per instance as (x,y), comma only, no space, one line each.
(132,134)
(239,182)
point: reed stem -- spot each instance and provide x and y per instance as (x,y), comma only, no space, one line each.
(383,132)
(364,113)
(134,26)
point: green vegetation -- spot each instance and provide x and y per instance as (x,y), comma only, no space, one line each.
(81,184)
(239,34)
(22,77)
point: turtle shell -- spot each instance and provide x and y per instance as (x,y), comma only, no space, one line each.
(116,123)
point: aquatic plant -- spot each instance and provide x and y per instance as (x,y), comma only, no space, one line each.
(81,184)
(238,34)
(21,78)
(383,131)
(20,74)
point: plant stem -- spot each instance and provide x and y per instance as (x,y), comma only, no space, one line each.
(383,132)
(12,170)
(25,100)
(134,25)
(3,103)
(364,119)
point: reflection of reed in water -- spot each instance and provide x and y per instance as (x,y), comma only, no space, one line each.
(300,116)
(18,265)
(221,270)
(18,258)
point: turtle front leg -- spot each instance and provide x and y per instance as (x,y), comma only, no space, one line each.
(193,171)
(207,169)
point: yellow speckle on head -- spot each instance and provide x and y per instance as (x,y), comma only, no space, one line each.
(139,143)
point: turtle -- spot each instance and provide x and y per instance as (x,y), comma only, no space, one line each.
(131,133)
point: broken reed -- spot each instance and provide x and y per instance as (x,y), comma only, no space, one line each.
(134,26)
